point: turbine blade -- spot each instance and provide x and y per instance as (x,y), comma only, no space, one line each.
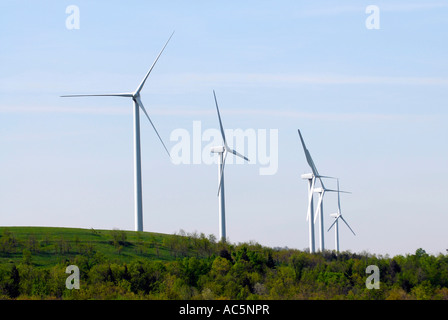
(321,182)
(239,155)
(321,197)
(339,191)
(309,159)
(99,95)
(301,139)
(139,88)
(144,110)
(220,122)
(222,171)
(347,225)
(339,199)
(310,198)
(334,222)
(326,177)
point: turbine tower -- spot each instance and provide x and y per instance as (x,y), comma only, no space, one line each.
(137,104)
(222,151)
(311,218)
(338,216)
(310,211)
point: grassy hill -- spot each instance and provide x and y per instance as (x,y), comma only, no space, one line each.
(47,246)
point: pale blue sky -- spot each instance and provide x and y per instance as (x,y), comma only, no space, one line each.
(371,105)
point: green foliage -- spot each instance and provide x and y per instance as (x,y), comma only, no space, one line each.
(137,265)
(8,242)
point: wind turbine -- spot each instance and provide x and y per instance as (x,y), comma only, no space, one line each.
(338,216)
(311,218)
(137,104)
(222,151)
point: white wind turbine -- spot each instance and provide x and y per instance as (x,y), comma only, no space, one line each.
(338,216)
(222,151)
(137,104)
(311,218)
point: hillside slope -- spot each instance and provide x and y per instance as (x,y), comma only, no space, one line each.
(47,246)
(117,264)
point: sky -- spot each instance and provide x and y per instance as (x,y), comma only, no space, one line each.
(370,103)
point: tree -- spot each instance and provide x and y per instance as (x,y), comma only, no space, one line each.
(192,268)
(394,268)
(270,263)
(140,244)
(26,256)
(62,246)
(32,243)
(13,285)
(423,291)
(419,253)
(146,276)
(224,253)
(8,242)
(299,262)
(220,267)
(118,238)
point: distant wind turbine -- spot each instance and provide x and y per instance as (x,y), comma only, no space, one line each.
(137,104)
(338,216)
(310,217)
(222,151)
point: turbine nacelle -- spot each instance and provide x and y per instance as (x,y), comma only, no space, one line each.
(319,190)
(217,149)
(307,176)
(335,215)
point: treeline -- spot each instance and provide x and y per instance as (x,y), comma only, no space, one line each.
(203,268)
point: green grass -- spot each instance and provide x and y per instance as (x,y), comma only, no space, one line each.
(49,245)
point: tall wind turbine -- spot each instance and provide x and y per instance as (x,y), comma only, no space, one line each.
(137,104)
(222,151)
(338,216)
(311,218)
